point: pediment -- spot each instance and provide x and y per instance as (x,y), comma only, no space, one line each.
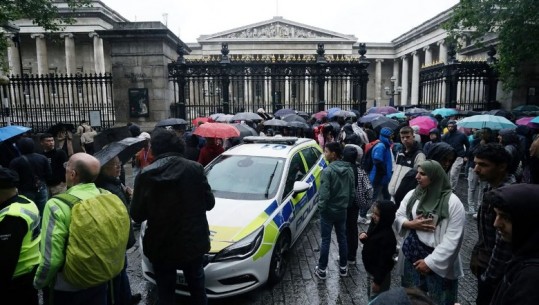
(277,28)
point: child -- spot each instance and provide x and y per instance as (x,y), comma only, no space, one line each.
(379,244)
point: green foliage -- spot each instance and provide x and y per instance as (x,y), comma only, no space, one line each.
(516,22)
(42,12)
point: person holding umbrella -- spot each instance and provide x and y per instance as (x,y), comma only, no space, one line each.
(210,151)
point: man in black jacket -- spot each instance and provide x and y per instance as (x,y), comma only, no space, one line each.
(460,143)
(173,195)
(57,158)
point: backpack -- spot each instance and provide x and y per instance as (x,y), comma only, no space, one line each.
(367,163)
(98,235)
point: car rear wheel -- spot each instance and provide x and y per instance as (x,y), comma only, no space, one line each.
(279,259)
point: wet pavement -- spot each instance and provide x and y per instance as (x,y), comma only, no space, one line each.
(301,286)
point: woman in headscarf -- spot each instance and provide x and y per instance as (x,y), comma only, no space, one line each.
(431,220)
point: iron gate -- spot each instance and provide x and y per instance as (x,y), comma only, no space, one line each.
(40,101)
(236,83)
(464,85)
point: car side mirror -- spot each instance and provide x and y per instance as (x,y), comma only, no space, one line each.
(300,187)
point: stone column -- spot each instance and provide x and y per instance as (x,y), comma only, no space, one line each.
(378,81)
(428,55)
(443,51)
(99,53)
(328,90)
(41,51)
(404,93)
(415,78)
(287,90)
(69,52)
(307,91)
(13,58)
(396,84)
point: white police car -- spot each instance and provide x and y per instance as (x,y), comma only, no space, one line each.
(265,194)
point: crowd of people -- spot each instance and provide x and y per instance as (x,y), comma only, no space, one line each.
(404,180)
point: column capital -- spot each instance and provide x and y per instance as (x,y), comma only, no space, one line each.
(93,34)
(404,57)
(379,60)
(37,35)
(414,53)
(441,42)
(66,35)
(427,48)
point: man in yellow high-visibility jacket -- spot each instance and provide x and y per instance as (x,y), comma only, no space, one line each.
(19,241)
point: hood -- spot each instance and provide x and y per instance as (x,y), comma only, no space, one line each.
(509,136)
(164,168)
(387,213)
(26,145)
(435,131)
(339,166)
(231,220)
(524,212)
(438,151)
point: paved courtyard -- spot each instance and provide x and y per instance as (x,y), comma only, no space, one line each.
(301,286)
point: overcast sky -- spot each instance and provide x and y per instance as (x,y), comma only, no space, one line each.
(368,20)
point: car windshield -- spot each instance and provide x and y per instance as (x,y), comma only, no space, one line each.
(245,177)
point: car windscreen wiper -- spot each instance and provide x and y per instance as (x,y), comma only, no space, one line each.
(271,179)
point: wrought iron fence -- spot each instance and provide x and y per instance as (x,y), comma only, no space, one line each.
(40,101)
(236,83)
(465,85)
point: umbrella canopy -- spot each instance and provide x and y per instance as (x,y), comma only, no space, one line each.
(297,124)
(425,124)
(416,111)
(246,116)
(319,115)
(199,120)
(285,111)
(244,130)
(467,113)
(535,120)
(342,113)
(217,130)
(124,149)
(110,135)
(486,121)
(332,111)
(398,115)
(500,112)
(11,131)
(303,114)
(275,122)
(294,118)
(215,116)
(381,122)
(54,129)
(527,121)
(224,118)
(171,122)
(382,110)
(445,112)
(369,117)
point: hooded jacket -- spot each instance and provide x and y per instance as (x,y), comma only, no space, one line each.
(519,284)
(379,246)
(383,162)
(429,144)
(337,189)
(173,195)
(405,161)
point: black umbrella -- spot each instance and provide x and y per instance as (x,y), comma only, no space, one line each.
(124,149)
(381,122)
(245,130)
(171,122)
(294,118)
(275,122)
(246,116)
(110,135)
(297,124)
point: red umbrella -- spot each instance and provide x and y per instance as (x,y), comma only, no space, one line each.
(525,121)
(425,124)
(199,120)
(216,130)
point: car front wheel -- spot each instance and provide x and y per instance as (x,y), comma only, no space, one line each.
(279,259)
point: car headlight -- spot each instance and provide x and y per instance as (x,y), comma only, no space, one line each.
(243,248)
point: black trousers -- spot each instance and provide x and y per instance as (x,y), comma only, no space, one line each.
(352,232)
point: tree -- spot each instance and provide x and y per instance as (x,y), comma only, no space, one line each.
(42,12)
(515,22)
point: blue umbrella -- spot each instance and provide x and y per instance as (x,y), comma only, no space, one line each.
(486,121)
(332,111)
(11,131)
(535,120)
(445,112)
(398,115)
(369,117)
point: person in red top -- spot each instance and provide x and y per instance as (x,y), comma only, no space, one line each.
(209,151)
(144,157)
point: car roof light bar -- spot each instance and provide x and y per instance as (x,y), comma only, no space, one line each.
(273,140)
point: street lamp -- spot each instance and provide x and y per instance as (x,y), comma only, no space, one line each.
(393,90)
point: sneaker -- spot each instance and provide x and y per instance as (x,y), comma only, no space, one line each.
(343,271)
(320,273)
(351,263)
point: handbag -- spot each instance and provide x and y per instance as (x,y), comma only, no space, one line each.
(413,249)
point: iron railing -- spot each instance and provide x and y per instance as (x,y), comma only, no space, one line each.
(40,101)
(236,83)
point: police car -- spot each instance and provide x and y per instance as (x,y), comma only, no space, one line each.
(265,194)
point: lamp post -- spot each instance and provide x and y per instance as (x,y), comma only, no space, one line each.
(393,91)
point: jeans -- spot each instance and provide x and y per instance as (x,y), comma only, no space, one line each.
(475,190)
(39,197)
(383,189)
(441,290)
(455,172)
(90,296)
(165,278)
(326,226)
(352,232)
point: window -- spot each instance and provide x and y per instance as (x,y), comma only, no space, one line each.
(311,156)
(296,172)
